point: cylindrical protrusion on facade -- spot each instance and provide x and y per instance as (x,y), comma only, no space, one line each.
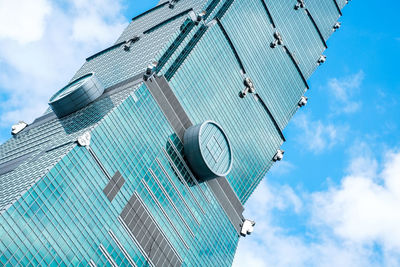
(76,95)
(208,151)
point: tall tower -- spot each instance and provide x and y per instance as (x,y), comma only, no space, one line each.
(148,155)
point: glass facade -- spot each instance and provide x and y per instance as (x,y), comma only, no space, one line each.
(109,184)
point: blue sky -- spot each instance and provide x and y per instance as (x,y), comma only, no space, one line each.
(333,201)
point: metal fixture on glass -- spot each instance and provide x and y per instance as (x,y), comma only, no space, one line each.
(303,101)
(84,140)
(336,26)
(278,40)
(17,128)
(321,59)
(247,227)
(197,18)
(172,3)
(300,4)
(279,155)
(128,43)
(249,88)
(149,71)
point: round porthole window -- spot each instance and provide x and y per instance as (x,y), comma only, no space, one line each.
(208,151)
(76,95)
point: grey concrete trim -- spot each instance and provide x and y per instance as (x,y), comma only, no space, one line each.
(230,193)
(234,217)
(170,110)
(173,100)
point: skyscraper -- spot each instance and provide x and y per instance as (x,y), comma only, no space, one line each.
(148,155)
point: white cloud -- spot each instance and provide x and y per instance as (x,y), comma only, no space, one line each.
(317,136)
(65,34)
(365,207)
(23,20)
(352,224)
(344,90)
(275,246)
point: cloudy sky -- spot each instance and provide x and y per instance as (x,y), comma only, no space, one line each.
(333,201)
